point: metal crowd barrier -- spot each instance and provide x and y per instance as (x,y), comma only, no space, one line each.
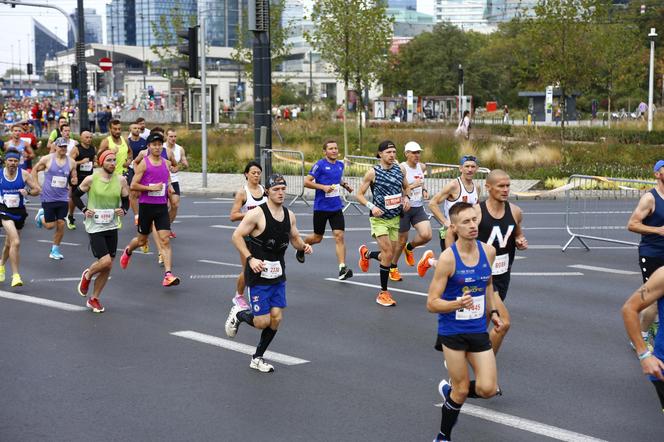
(598,208)
(355,167)
(438,175)
(289,163)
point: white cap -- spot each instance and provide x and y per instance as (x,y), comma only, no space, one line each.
(412,146)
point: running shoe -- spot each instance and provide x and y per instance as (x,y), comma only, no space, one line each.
(2,273)
(38,218)
(160,260)
(385,299)
(145,248)
(409,256)
(239,301)
(364,261)
(441,438)
(124,259)
(170,280)
(345,273)
(444,389)
(95,305)
(260,365)
(299,255)
(16,280)
(395,275)
(423,264)
(84,284)
(55,253)
(71,223)
(172,234)
(232,322)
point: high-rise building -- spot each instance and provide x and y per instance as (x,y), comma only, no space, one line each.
(46,45)
(224,19)
(480,15)
(149,13)
(409,23)
(403,4)
(121,22)
(93,32)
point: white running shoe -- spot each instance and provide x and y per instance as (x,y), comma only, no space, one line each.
(232,322)
(260,365)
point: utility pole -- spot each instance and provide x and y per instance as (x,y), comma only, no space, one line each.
(204,97)
(652,36)
(84,124)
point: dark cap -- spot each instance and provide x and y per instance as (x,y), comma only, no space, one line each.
(387,144)
(658,165)
(276,179)
(155,136)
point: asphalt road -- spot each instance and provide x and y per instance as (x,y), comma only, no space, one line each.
(366,372)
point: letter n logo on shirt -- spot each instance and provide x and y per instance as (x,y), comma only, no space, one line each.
(496,234)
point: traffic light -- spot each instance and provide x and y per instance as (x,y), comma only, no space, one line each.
(190,49)
(460,75)
(99,82)
(74,76)
(30,72)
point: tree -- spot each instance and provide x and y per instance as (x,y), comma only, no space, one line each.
(14,71)
(165,30)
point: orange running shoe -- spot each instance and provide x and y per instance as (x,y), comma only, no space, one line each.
(385,299)
(364,261)
(409,255)
(423,264)
(395,275)
(170,280)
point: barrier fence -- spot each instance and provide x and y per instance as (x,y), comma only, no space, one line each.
(356,166)
(598,208)
(289,163)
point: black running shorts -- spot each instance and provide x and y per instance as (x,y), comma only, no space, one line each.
(176,188)
(648,265)
(321,217)
(153,213)
(501,283)
(104,243)
(470,342)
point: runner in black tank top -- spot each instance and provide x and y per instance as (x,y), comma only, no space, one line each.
(500,234)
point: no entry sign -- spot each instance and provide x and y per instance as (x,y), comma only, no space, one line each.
(105,64)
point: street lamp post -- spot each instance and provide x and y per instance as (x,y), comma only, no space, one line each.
(652,36)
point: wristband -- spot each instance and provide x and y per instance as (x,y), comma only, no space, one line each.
(370,205)
(644,355)
(494,311)
(249,259)
(442,232)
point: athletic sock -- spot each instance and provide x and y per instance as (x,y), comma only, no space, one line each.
(432,262)
(127,251)
(393,266)
(374,255)
(384,277)
(245,316)
(238,294)
(342,265)
(472,392)
(409,247)
(266,337)
(449,417)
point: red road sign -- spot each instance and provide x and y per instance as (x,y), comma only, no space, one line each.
(105,64)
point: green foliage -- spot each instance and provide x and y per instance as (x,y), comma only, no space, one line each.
(165,29)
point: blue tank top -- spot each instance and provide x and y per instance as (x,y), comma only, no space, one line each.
(9,190)
(652,245)
(659,338)
(137,146)
(471,280)
(387,190)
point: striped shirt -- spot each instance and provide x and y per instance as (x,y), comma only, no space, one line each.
(387,190)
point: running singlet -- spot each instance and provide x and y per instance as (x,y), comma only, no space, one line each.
(121,154)
(270,246)
(55,182)
(500,234)
(471,280)
(387,189)
(252,202)
(464,197)
(328,174)
(21,150)
(413,174)
(103,199)
(154,175)
(85,169)
(9,190)
(177,155)
(652,245)
(136,147)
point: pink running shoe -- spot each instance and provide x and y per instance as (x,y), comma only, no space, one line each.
(124,259)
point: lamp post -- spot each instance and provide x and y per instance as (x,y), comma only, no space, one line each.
(652,36)
(143,48)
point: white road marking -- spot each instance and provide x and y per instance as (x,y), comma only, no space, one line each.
(221,198)
(559,247)
(221,263)
(62,243)
(42,301)
(213,276)
(68,279)
(544,228)
(210,202)
(237,346)
(513,274)
(604,269)
(219,226)
(203,216)
(525,424)
(410,292)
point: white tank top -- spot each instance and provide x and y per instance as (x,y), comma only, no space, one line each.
(464,196)
(252,202)
(70,145)
(413,174)
(177,154)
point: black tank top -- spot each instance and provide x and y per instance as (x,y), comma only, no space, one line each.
(270,245)
(84,153)
(499,232)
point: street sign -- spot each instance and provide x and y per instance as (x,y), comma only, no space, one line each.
(105,64)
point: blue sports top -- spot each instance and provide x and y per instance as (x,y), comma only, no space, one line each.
(472,280)
(387,190)
(328,173)
(9,190)
(652,245)
(659,338)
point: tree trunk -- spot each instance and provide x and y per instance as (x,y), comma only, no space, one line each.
(562,114)
(609,112)
(345,104)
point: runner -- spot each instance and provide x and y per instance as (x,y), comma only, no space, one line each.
(142,130)
(136,144)
(65,130)
(152,180)
(461,294)
(12,210)
(108,200)
(19,144)
(181,162)
(116,143)
(262,239)
(648,221)
(57,131)
(652,361)
(387,182)
(326,178)
(85,157)
(249,196)
(59,173)
(30,140)
(416,216)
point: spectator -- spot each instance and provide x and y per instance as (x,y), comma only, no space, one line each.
(463,130)
(506,115)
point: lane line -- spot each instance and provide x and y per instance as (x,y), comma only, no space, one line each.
(219,226)
(604,269)
(203,216)
(77,278)
(363,284)
(221,263)
(62,243)
(525,424)
(559,247)
(577,213)
(238,347)
(513,274)
(41,301)
(213,276)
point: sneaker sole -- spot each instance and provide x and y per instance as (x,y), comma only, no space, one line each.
(18,284)
(345,276)
(386,305)
(175,282)
(254,367)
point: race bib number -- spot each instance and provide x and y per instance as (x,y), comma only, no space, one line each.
(161,192)
(11,200)
(104,216)
(334,192)
(86,167)
(474,312)
(271,270)
(501,264)
(416,194)
(59,182)
(392,201)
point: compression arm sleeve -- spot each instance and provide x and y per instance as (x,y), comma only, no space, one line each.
(76,197)
(125,203)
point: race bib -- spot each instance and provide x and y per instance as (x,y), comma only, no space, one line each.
(501,264)
(86,167)
(59,182)
(474,312)
(104,216)
(11,200)
(161,192)
(416,194)
(392,201)
(334,192)
(271,270)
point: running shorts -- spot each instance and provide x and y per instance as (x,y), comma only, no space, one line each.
(176,188)
(129,175)
(55,210)
(264,297)
(153,213)
(501,283)
(383,226)
(648,265)
(321,217)
(659,387)
(104,243)
(411,218)
(470,342)
(16,214)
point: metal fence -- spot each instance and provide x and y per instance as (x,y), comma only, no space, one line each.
(152,116)
(598,208)
(289,163)
(356,166)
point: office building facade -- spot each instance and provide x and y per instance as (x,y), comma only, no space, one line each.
(47,44)
(93,30)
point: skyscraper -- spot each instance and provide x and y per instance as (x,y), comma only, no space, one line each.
(93,32)
(46,45)
(121,22)
(224,19)
(150,13)
(403,4)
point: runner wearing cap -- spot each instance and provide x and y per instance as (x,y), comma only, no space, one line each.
(108,200)
(414,217)
(13,182)
(326,177)
(59,174)
(262,239)
(391,194)
(152,179)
